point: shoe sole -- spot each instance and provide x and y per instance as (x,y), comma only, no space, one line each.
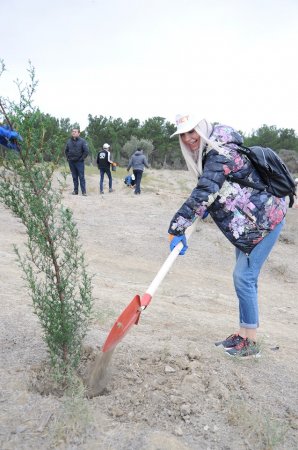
(222,346)
(258,355)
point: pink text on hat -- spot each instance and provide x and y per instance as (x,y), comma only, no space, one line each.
(182,119)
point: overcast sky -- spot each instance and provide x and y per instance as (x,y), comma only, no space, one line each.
(230,61)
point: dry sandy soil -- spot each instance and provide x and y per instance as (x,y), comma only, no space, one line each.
(169,387)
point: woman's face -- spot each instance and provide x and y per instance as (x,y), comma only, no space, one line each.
(191,139)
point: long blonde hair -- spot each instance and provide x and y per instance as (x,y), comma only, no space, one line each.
(204,130)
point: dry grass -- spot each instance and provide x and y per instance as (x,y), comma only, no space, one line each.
(262,431)
(73,418)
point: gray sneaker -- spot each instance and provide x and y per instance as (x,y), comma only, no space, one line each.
(230,342)
(245,349)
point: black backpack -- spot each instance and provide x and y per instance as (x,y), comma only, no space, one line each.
(273,171)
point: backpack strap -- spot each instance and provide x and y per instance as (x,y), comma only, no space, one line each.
(291,202)
(257,186)
(244,151)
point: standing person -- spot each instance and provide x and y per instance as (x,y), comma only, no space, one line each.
(250,219)
(138,162)
(76,152)
(104,164)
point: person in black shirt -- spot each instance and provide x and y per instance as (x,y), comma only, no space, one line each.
(104,164)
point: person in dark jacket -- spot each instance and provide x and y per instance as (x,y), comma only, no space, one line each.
(104,163)
(250,219)
(138,162)
(76,151)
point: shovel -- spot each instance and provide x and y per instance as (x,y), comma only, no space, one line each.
(130,316)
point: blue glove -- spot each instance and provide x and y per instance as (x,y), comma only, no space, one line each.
(7,143)
(9,134)
(15,135)
(176,241)
(8,138)
(206,213)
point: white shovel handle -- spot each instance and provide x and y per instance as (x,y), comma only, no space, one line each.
(169,261)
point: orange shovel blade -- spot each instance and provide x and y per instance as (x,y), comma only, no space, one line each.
(125,321)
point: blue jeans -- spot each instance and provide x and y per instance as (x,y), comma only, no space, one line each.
(102,173)
(245,275)
(77,169)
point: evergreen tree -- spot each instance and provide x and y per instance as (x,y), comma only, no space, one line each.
(54,265)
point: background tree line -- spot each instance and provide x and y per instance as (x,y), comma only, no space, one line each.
(153,135)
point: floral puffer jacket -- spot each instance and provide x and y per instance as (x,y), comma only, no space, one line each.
(243,214)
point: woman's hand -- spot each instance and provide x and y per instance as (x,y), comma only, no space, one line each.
(174,240)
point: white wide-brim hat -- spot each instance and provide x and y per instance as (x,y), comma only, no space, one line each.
(185,123)
(106,146)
